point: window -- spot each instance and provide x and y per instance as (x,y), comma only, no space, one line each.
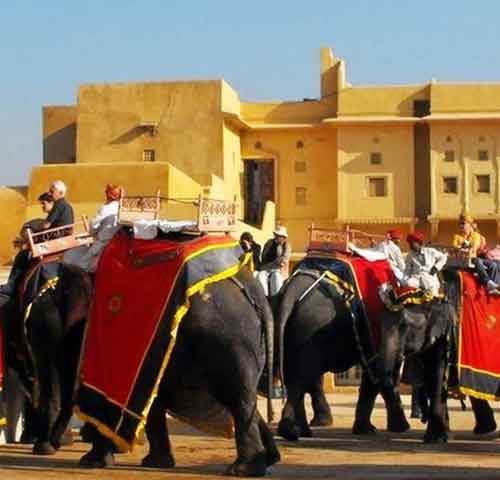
(376,158)
(483,184)
(377,187)
(148,155)
(450,185)
(421,108)
(300,166)
(449,156)
(300,196)
(483,155)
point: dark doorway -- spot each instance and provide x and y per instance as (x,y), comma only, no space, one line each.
(259,188)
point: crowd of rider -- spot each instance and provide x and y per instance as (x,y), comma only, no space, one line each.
(419,268)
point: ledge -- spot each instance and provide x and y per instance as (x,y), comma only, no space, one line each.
(368,119)
(377,221)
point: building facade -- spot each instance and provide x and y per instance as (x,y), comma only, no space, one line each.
(412,156)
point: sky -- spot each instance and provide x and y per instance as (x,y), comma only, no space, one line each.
(266,49)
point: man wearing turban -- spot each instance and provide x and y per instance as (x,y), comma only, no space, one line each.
(423,264)
(103,227)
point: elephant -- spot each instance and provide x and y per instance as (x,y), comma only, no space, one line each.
(223,344)
(315,335)
(54,333)
(421,334)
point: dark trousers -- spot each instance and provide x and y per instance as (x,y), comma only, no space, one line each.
(487,270)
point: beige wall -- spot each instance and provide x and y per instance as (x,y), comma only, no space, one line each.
(465,139)
(395,143)
(390,100)
(59,134)
(188,116)
(477,97)
(13,202)
(319,155)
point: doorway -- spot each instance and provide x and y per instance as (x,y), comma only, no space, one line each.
(259,188)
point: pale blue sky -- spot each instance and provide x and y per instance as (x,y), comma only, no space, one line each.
(264,49)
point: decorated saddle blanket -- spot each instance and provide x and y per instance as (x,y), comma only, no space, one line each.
(366,277)
(478,339)
(142,292)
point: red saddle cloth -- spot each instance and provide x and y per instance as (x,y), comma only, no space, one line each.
(368,277)
(479,340)
(142,291)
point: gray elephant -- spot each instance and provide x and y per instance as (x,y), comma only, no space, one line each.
(222,347)
(318,332)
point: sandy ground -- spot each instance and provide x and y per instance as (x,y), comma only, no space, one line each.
(332,453)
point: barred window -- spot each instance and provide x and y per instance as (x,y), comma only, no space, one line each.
(148,155)
(301,196)
(449,156)
(376,158)
(483,155)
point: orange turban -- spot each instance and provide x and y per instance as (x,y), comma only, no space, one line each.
(113,192)
(415,237)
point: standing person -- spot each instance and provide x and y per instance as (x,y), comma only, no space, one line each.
(423,264)
(62,212)
(275,262)
(248,244)
(103,227)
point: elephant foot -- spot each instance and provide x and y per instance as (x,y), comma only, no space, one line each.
(65,440)
(484,429)
(27,438)
(272,456)
(363,428)
(43,448)
(321,421)
(306,432)
(163,461)
(288,430)
(87,433)
(255,468)
(97,460)
(435,437)
(398,426)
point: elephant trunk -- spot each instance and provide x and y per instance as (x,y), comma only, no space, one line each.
(268,320)
(389,351)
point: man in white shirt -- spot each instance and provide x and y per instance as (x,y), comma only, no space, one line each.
(423,264)
(392,250)
(103,226)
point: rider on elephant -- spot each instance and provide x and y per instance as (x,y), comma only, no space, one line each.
(103,226)
(58,211)
(392,250)
(275,262)
(423,264)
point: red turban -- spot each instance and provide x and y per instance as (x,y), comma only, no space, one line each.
(113,192)
(395,234)
(416,237)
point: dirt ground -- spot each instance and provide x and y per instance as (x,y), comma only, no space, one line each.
(332,453)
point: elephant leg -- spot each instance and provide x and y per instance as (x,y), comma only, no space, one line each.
(160,449)
(252,456)
(396,418)
(368,391)
(101,454)
(293,423)
(322,413)
(48,404)
(483,414)
(272,453)
(434,367)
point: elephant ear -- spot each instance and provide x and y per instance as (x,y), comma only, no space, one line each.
(441,318)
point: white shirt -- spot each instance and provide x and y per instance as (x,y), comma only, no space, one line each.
(105,224)
(419,263)
(394,256)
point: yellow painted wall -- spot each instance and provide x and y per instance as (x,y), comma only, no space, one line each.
(59,134)
(289,112)
(465,139)
(319,154)
(474,97)
(13,203)
(389,100)
(355,143)
(188,114)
